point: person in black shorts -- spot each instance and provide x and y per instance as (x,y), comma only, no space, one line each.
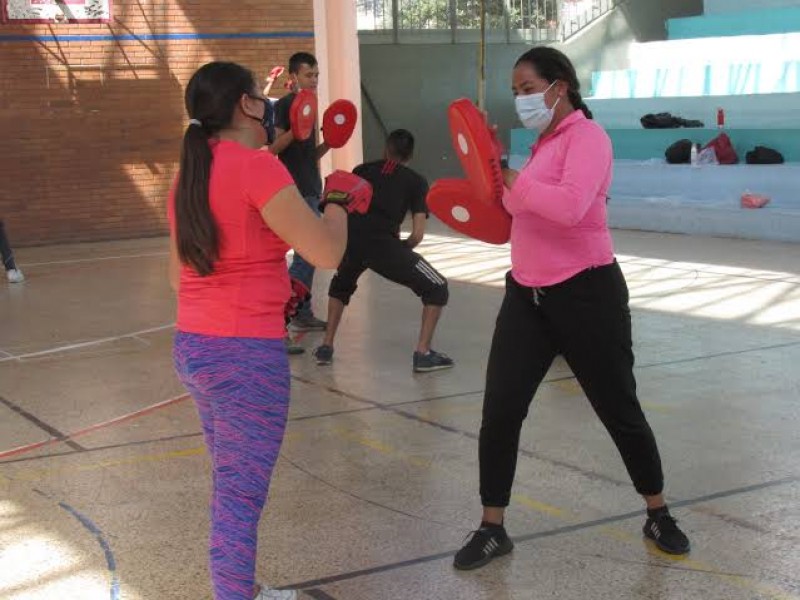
(374,243)
(302,161)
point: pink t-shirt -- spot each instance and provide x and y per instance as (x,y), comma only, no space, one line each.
(246,293)
(558,205)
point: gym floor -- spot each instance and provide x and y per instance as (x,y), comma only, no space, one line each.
(104,480)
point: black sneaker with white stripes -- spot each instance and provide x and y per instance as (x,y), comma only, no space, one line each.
(487,543)
(662,528)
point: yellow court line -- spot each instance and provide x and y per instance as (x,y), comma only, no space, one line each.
(381,447)
(38,474)
(541,507)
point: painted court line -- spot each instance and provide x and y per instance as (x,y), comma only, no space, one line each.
(102,540)
(57,436)
(70,436)
(79,345)
(94,259)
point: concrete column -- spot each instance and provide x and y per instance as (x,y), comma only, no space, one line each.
(336,32)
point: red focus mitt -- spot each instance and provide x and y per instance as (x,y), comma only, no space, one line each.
(339,122)
(478,149)
(456,204)
(303,115)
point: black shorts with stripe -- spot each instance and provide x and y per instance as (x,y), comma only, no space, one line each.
(391,258)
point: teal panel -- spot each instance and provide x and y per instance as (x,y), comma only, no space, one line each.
(646,144)
(751,22)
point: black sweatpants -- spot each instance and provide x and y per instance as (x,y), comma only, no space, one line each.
(392,259)
(587,320)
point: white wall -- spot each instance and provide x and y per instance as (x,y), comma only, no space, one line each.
(715,7)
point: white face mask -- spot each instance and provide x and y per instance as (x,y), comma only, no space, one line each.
(533,111)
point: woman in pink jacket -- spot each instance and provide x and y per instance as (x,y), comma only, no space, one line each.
(565,295)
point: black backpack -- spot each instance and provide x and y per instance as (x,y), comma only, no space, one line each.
(679,153)
(761,155)
(667,121)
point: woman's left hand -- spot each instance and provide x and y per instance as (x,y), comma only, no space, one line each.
(509,177)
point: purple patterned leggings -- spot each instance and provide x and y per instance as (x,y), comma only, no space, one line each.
(241,388)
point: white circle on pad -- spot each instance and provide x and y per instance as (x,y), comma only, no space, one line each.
(462,143)
(460,214)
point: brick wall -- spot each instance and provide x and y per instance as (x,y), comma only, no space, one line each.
(91,128)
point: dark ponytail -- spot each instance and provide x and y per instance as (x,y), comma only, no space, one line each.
(576,100)
(553,65)
(211,99)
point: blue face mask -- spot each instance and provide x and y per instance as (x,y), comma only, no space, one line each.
(533,111)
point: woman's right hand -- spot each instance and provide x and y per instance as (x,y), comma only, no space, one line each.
(510,177)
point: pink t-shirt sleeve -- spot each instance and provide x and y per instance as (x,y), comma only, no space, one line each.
(264,176)
(586,158)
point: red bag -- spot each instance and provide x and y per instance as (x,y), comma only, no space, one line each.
(726,155)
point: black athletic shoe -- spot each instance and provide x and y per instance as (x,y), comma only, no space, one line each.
(323,354)
(663,529)
(486,544)
(432,361)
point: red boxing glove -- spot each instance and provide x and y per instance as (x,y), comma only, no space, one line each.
(300,295)
(350,191)
(303,115)
(339,122)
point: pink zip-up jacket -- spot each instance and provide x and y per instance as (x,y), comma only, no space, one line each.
(558,205)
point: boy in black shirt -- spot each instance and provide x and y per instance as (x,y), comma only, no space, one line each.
(374,243)
(302,161)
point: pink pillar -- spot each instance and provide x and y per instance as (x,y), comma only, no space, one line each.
(336,33)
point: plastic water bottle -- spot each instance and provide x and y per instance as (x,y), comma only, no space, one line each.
(695,156)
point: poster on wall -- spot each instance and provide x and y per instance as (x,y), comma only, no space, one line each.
(56,11)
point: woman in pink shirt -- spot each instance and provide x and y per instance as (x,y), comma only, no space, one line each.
(565,295)
(234,213)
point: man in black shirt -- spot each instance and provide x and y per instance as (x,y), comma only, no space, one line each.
(302,161)
(374,243)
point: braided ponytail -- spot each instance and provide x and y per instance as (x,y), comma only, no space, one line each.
(576,100)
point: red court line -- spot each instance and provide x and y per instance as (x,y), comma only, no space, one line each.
(133,415)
